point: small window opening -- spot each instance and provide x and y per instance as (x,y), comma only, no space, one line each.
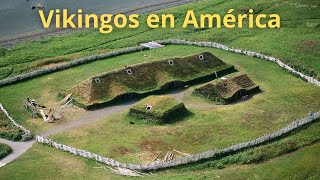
(129,71)
(149,107)
(171,62)
(97,80)
(201,57)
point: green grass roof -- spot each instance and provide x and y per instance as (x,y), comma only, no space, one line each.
(145,77)
(160,105)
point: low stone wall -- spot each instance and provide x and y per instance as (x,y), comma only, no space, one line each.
(187,159)
(27,134)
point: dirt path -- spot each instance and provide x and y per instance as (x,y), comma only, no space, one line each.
(18,149)
(96,115)
(90,117)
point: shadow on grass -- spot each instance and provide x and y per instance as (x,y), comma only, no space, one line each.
(181,117)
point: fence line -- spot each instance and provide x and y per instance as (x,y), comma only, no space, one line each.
(247,53)
(183,160)
(27,134)
(88,59)
(178,161)
(73,63)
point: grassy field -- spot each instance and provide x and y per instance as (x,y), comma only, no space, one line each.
(45,89)
(53,164)
(4,150)
(295,101)
(303,164)
(284,98)
(298,17)
(293,141)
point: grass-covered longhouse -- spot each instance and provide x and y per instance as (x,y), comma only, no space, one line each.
(148,78)
(158,109)
(229,89)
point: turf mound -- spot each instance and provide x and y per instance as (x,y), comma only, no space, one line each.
(228,90)
(4,150)
(8,130)
(147,78)
(158,109)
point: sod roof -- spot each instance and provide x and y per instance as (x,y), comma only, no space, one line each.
(228,89)
(159,105)
(145,77)
(158,108)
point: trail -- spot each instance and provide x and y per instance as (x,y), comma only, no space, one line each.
(18,149)
(90,117)
(100,114)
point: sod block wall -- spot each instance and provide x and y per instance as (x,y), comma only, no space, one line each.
(229,90)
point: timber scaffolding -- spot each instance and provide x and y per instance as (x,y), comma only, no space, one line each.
(49,115)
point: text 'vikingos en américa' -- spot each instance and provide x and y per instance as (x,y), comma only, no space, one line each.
(106,23)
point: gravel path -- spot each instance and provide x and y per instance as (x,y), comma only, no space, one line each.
(96,115)
(91,116)
(18,149)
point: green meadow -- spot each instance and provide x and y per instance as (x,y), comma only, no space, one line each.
(284,99)
(296,42)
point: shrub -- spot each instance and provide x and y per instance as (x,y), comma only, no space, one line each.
(4,150)
(220,165)
(26,137)
(5,72)
(8,130)
(2,52)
